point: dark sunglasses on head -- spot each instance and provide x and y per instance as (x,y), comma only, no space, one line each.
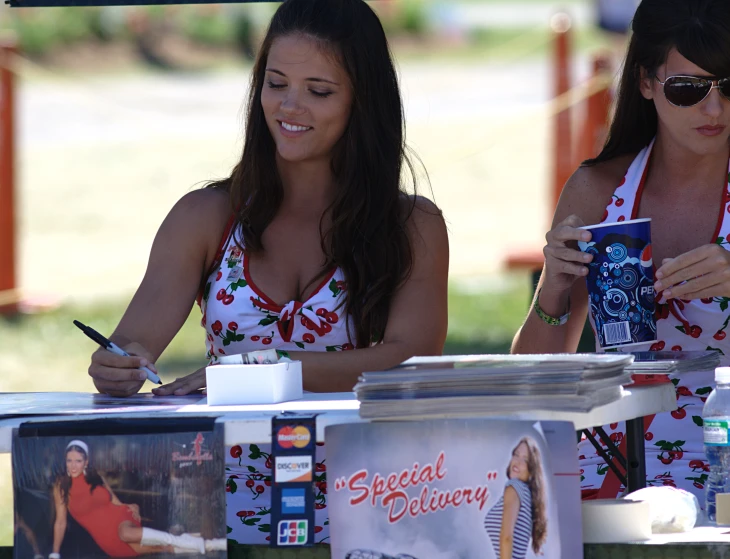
(686,91)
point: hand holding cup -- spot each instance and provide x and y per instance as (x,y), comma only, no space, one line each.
(564,263)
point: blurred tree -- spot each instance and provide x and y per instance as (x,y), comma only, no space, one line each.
(412,16)
(245,35)
(208,25)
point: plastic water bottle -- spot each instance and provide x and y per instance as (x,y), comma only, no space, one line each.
(716,419)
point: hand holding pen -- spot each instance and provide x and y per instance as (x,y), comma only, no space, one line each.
(117,371)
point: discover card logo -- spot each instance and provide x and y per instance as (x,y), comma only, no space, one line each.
(292,532)
(293,468)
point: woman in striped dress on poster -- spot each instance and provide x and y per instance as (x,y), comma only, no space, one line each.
(519,516)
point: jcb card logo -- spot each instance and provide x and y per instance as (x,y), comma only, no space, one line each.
(297,437)
(293,468)
(292,532)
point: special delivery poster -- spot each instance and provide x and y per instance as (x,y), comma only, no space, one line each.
(454,488)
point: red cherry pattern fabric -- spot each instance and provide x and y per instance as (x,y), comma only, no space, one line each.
(239,317)
(674,445)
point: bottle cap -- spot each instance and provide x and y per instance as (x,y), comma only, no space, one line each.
(722,374)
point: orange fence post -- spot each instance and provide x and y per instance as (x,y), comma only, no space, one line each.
(597,106)
(562,144)
(562,137)
(8,50)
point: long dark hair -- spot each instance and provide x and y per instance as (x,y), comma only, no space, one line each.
(367,237)
(698,29)
(91,475)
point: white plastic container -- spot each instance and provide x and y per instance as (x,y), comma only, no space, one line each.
(615,521)
(230,385)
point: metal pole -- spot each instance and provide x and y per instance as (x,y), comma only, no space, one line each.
(635,455)
(8,50)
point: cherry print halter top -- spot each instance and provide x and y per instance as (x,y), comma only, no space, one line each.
(681,324)
(239,317)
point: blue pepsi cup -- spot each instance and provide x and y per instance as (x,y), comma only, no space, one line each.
(621,283)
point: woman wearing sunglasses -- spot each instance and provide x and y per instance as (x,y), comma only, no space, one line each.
(666,158)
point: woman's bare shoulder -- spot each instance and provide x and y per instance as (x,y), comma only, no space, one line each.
(589,190)
(607,174)
(511,495)
(196,224)
(424,217)
(420,209)
(200,215)
(206,204)
(427,233)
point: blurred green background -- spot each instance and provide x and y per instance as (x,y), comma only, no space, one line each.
(239,27)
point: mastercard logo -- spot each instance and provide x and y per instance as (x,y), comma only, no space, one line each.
(297,437)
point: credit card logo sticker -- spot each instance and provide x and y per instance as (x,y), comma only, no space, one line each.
(293,437)
(292,501)
(292,532)
(292,468)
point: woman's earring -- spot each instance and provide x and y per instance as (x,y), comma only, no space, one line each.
(84,471)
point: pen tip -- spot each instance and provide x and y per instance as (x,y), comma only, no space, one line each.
(159,382)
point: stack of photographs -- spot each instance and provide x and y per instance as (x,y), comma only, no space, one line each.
(485,384)
(673,362)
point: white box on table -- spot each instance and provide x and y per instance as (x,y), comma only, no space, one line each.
(230,385)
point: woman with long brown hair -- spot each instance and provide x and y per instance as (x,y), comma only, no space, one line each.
(667,158)
(114,526)
(520,515)
(312,242)
(313,245)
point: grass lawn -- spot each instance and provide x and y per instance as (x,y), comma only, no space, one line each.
(479,322)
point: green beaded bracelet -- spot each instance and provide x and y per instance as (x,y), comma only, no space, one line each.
(546,318)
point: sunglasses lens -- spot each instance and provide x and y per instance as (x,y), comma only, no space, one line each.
(686,91)
(725,88)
